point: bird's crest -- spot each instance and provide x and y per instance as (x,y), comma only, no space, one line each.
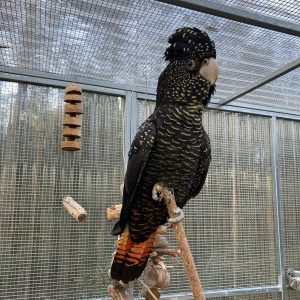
(190,43)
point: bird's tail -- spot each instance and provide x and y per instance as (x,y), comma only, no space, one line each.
(131,258)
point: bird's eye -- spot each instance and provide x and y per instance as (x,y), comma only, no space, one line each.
(205,61)
(190,63)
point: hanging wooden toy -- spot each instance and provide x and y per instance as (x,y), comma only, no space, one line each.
(72,121)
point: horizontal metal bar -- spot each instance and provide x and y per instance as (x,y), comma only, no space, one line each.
(142,96)
(237,14)
(243,108)
(59,84)
(58,80)
(255,110)
(228,292)
(274,75)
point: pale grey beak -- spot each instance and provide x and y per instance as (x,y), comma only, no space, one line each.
(209,70)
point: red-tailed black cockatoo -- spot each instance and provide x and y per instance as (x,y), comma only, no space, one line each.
(170,147)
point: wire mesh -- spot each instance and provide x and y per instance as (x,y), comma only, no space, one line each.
(287,10)
(282,93)
(230,225)
(124,41)
(289,158)
(44,253)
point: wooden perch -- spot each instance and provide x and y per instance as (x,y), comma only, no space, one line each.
(74,209)
(186,254)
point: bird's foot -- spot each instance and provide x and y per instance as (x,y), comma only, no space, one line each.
(156,192)
(177,219)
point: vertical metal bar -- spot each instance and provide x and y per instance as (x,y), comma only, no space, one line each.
(276,190)
(130,123)
(235,159)
(127,127)
(130,118)
(133,119)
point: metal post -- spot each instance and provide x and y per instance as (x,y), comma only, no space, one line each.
(276,190)
(127,133)
(130,123)
(133,118)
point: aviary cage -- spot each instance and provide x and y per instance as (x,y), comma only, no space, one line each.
(244,226)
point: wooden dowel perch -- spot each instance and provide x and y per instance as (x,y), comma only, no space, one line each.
(74,209)
(186,254)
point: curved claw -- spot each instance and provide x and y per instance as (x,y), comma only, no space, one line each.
(177,219)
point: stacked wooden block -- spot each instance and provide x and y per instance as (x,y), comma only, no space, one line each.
(72,120)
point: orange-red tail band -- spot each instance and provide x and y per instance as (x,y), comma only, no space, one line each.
(130,258)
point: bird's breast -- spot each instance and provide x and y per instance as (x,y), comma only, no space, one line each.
(179,144)
(180,139)
(179,125)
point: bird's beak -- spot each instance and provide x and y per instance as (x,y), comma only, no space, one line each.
(209,70)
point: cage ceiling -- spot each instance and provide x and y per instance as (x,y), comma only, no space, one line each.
(122,42)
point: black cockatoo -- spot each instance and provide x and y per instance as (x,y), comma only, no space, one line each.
(170,147)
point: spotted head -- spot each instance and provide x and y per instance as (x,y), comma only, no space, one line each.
(192,71)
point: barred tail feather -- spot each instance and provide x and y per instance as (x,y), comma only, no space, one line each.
(131,258)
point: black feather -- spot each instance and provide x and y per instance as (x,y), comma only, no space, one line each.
(138,155)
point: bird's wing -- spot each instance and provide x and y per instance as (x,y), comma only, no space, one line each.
(200,175)
(137,158)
